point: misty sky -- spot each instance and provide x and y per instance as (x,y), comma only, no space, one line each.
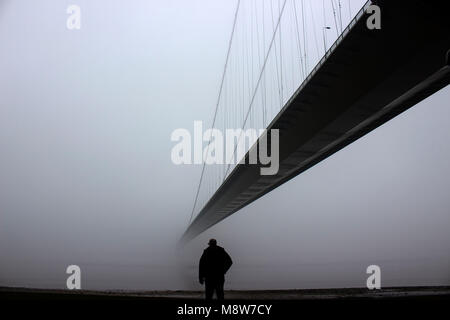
(86,176)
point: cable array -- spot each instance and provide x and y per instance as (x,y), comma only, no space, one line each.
(274,45)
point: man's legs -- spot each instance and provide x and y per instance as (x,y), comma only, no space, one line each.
(209,289)
(214,284)
(219,289)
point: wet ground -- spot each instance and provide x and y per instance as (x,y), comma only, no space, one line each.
(304,294)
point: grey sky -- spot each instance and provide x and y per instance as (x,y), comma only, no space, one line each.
(86,176)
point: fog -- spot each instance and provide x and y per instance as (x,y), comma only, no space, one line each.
(86,176)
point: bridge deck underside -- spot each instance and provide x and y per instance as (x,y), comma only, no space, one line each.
(368,78)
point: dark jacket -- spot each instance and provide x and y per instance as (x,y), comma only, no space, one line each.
(214,263)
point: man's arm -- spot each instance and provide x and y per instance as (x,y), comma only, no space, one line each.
(201,269)
(227,262)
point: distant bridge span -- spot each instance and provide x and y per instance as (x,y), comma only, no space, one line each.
(364,80)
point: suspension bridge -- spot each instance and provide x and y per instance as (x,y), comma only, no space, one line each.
(315,71)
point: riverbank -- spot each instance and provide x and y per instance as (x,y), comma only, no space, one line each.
(440,292)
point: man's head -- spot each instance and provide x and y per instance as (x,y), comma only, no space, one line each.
(212,242)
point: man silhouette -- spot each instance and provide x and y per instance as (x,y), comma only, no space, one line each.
(214,263)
